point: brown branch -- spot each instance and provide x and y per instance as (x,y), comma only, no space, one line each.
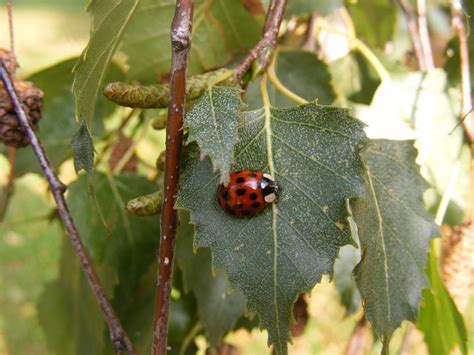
(424,34)
(10,26)
(414,32)
(7,191)
(268,40)
(467,100)
(181,29)
(118,336)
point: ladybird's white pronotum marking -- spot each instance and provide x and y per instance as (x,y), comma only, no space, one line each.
(270,198)
(268,176)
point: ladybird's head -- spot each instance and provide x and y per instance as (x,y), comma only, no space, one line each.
(270,188)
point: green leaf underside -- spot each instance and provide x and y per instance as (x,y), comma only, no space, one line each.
(439,319)
(312,151)
(108,25)
(218,310)
(213,122)
(394,232)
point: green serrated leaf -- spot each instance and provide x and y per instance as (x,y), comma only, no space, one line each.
(109,20)
(312,152)
(301,72)
(83,149)
(394,232)
(218,308)
(213,122)
(439,319)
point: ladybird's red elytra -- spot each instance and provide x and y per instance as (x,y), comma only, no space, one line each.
(247,193)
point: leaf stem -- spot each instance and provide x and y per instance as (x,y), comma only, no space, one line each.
(119,338)
(181,29)
(268,40)
(282,88)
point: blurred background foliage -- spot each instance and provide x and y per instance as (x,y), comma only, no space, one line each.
(41,285)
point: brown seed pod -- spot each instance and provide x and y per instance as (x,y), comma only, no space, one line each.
(11,131)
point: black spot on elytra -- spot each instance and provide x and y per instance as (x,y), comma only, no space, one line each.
(225,195)
(241,192)
(255,205)
(240,180)
(240,205)
(253,196)
(252,175)
(246,213)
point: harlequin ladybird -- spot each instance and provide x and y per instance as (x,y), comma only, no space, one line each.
(247,193)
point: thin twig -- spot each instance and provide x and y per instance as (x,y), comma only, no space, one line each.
(282,88)
(181,29)
(414,32)
(10,26)
(424,35)
(467,97)
(8,189)
(118,336)
(268,40)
